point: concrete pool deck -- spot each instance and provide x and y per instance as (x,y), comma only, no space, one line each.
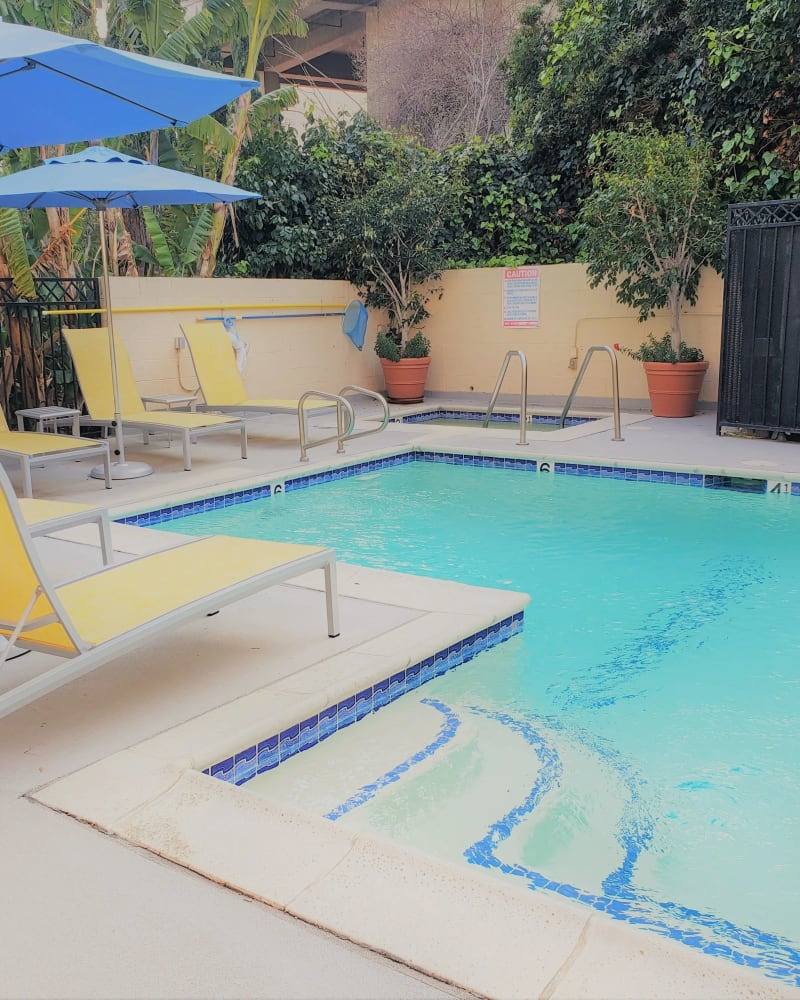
(93,915)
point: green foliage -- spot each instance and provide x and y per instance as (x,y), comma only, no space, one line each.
(391,230)
(508,211)
(752,67)
(653,220)
(177,236)
(602,64)
(14,248)
(280,234)
(417,346)
(663,351)
(387,345)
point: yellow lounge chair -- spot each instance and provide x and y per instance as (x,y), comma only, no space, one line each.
(219,378)
(91,355)
(91,620)
(34,448)
(43,517)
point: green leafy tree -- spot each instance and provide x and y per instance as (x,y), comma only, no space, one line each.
(752,66)
(600,64)
(653,221)
(280,234)
(391,230)
(508,211)
(257,20)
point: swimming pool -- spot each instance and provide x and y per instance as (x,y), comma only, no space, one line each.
(471,418)
(643,724)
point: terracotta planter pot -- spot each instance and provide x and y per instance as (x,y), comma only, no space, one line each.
(674,389)
(405,379)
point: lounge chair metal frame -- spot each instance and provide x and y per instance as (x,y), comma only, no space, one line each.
(95,618)
(91,346)
(44,517)
(31,448)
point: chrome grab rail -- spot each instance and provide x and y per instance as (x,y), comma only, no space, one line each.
(360,390)
(614,387)
(523,393)
(344,429)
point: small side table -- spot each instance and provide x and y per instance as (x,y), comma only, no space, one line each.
(48,418)
(170,399)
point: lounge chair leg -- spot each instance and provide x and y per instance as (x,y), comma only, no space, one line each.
(27,483)
(331,599)
(105,542)
(107,468)
(244,440)
(187,451)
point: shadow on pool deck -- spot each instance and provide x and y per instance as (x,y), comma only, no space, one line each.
(89,915)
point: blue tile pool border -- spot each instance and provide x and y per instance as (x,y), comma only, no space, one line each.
(271,751)
(629,473)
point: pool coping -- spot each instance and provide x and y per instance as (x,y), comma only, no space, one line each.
(154,795)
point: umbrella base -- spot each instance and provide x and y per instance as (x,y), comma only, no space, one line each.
(123,470)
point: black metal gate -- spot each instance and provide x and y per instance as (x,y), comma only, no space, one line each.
(35,364)
(759,380)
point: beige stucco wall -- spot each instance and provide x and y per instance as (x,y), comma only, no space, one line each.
(290,355)
(470,342)
(286,356)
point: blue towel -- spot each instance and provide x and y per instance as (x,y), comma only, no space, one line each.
(354,322)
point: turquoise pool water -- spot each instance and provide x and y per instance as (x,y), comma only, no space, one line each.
(637,747)
(473,418)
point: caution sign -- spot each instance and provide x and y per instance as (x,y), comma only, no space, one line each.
(521,296)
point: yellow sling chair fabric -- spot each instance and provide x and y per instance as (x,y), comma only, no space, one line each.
(92,357)
(91,620)
(220,382)
(35,448)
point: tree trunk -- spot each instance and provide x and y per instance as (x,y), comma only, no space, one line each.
(675,302)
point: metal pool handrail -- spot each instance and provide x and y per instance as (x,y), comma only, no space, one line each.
(344,429)
(614,387)
(523,393)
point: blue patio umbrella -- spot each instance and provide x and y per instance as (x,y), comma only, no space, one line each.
(55,89)
(102,178)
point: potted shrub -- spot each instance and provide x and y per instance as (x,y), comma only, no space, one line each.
(404,369)
(653,220)
(391,237)
(674,378)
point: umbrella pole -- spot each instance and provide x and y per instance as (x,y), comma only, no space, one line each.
(120,469)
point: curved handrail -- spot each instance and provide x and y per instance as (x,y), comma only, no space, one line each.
(343,406)
(523,393)
(614,387)
(373,395)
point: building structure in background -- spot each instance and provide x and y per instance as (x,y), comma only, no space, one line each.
(431,66)
(326,66)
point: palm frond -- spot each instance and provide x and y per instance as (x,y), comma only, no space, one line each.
(211,133)
(161,250)
(155,20)
(187,41)
(196,236)
(270,105)
(16,251)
